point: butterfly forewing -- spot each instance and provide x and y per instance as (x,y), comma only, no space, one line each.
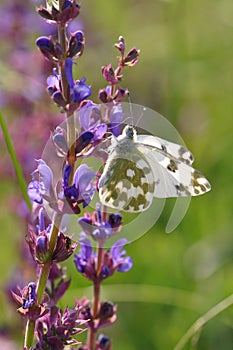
(179,152)
(173,178)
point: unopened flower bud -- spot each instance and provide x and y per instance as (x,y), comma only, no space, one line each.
(132,58)
(76,44)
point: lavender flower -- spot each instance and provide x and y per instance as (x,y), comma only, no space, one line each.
(82,191)
(120,262)
(29,308)
(62,198)
(39,243)
(57,329)
(115,260)
(97,227)
(78,89)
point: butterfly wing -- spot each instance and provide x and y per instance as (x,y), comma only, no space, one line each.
(173,176)
(127,182)
(179,152)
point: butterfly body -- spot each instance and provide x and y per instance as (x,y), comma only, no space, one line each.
(141,167)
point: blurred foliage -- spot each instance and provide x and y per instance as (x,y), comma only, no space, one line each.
(185,73)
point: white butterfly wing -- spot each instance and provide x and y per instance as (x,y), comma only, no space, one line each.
(127,182)
(173,177)
(179,152)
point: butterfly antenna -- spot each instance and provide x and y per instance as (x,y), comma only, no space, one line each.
(130,109)
(140,116)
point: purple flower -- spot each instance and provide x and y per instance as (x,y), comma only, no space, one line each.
(64,196)
(90,121)
(121,262)
(26,298)
(84,261)
(29,298)
(112,261)
(58,328)
(54,89)
(42,188)
(78,89)
(82,190)
(99,229)
(39,243)
(115,120)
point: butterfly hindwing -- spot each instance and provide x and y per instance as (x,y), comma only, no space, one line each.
(127,183)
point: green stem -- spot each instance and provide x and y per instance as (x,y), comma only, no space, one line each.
(29,334)
(201,321)
(16,164)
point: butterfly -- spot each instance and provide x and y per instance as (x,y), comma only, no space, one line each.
(141,167)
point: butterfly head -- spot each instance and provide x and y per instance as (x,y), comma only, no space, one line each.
(129,132)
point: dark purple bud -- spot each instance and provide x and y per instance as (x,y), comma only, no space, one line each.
(106,310)
(120,94)
(81,91)
(83,141)
(58,98)
(43,12)
(109,74)
(121,45)
(105,272)
(71,192)
(76,44)
(46,46)
(64,248)
(70,10)
(66,174)
(115,220)
(42,248)
(132,58)
(103,343)
(103,96)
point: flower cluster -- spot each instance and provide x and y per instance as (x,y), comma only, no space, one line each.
(63,186)
(113,260)
(58,328)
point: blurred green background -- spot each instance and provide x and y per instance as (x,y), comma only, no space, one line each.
(184,73)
